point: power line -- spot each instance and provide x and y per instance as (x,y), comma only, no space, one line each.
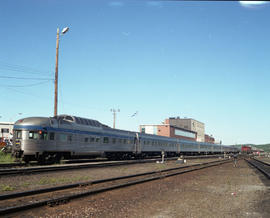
(28,85)
(25,78)
(21,68)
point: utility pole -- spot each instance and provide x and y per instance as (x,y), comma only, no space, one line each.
(114,116)
(56,75)
(56,69)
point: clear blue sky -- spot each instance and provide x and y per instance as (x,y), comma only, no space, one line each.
(206,60)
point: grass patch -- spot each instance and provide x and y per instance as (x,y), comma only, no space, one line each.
(6,158)
(7,188)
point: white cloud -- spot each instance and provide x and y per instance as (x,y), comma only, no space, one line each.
(252,3)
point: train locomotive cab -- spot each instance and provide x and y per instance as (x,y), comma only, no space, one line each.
(31,137)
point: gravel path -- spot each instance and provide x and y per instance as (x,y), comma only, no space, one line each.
(222,191)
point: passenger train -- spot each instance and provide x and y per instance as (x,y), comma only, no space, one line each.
(66,136)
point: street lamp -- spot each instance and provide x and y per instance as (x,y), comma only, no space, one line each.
(114,115)
(56,69)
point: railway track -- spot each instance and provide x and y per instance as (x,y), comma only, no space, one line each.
(263,167)
(74,161)
(98,164)
(20,201)
(42,169)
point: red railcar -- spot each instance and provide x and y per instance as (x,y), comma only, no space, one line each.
(246,149)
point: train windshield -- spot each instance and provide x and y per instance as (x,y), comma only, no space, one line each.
(38,135)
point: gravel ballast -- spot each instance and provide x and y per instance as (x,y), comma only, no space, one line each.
(223,191)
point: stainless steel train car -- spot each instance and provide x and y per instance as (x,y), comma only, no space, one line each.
(66,136)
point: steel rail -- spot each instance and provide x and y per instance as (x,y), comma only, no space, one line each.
(42,169)
(74,161)
(154,175)
(261,166)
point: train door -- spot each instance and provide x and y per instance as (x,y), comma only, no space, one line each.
(137,144)
(178,147)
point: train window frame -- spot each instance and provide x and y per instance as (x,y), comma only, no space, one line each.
(105,140)
(35,135)
(78,121)
(92,140)
(63,137)
(97,139)
(86,139)
(43,136)
(51,136)
(18,134)
(69,138)
(69,118)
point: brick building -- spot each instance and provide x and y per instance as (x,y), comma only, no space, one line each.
(188,124)
(209,139)
(169,131)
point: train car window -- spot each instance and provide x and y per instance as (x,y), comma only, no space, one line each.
(69,118)
(69,138)
(44,136)
(85,140)
(88,122)
(63,137)
(51,135)
(80,120)
(120,141)
(33,135)
(92,139)
(77,120)
(18,134)
(125,141)
(106,140)
(97,139)
(113,140)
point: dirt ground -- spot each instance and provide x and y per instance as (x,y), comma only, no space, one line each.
(223,191)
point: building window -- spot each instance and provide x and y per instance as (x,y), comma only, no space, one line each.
(5,130)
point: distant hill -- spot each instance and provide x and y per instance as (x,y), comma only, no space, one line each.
(265,147)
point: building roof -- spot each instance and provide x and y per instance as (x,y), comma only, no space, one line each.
(178,118)
(6,123)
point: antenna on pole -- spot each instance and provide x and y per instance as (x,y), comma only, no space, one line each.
(114,111)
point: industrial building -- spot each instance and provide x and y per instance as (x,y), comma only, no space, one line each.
(188,124)
(209,139)
(169,131)
(6,129)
